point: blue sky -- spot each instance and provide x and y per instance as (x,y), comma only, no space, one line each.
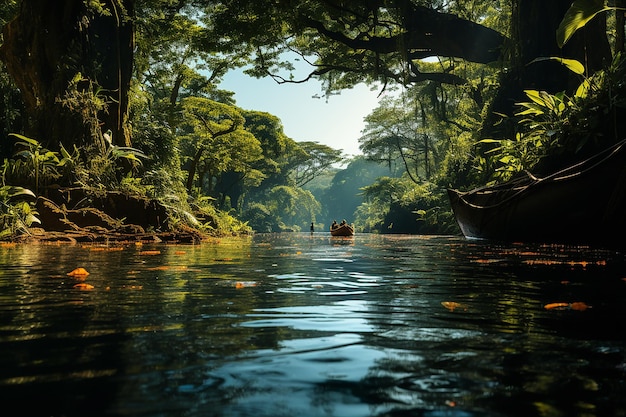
(336,121)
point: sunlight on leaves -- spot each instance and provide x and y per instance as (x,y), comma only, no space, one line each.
(576,17)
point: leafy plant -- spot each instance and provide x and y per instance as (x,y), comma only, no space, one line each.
(39,162)
(577,16)
(562,127)
(16,213)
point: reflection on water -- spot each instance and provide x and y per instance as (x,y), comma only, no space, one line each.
(308,325)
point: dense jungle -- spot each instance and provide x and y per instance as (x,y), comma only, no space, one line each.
(113,125)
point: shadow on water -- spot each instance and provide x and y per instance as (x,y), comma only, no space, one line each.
(309,325)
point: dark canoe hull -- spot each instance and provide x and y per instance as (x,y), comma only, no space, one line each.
(345,230)
(584,203)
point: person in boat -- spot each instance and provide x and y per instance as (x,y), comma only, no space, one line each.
(343,222)
(334,225)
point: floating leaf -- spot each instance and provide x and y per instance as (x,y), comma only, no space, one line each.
(579,306)
(150,252)
(78,272)
(244,284)
(452,305)
(559,306)
(84,286)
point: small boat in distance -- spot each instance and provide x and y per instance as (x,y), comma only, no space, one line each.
(341,229)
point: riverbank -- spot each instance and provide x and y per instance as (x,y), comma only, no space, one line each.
(109,217)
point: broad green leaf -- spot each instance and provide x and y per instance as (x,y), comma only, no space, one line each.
(571,64)
(583,89)
(31,218)
(65,153)
(535,96)
(21,191)
(25,138)
(577,16)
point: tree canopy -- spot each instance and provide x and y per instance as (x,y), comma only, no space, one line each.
(89,80)
(350,42)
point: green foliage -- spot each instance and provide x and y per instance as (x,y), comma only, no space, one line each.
(11,111)
(261,219)
(216,222)
(556,129)
(314,159)
(16,216)
(36,164)
(243,160)
(284,208)
(397,205)
(359,41)
(17,211)
(216,142)
(106,170)
(577,16)
(87,99)
(343,196)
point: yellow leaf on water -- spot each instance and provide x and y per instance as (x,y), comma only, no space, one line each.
(559,306)
(150,252)
(579,306)
(78,272)
(84,286)
(452,305)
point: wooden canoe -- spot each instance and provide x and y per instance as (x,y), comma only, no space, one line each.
(583,203)
(342,230)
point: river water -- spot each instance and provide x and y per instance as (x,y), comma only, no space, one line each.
(309,325)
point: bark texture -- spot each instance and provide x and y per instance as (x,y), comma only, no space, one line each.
(48,44)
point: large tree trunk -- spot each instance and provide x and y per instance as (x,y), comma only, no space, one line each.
(48,44)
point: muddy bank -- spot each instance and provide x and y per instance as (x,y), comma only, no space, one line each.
(73,215)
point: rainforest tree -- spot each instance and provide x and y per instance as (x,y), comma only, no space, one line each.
(47,44)
(72,61)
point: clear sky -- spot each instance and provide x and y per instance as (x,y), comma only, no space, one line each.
(336,121)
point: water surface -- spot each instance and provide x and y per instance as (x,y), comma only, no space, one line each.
(309,325)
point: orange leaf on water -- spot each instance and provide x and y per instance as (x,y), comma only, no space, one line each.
(84,286)
(452,305)
(553,306)
(579,306)
(150,252)
(159,268)
(78,272)
(243,284)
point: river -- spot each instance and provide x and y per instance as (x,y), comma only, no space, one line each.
(304,324)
